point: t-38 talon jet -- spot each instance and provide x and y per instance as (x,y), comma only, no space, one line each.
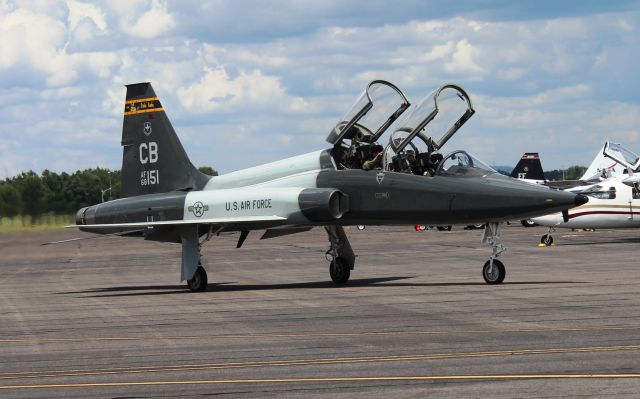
(165,198)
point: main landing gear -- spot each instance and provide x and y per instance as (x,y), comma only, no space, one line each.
(191,269)
(199,281)
(340,255)
(493,270)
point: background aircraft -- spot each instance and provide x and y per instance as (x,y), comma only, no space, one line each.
(614,201)
(603,166)
(165,198)
(529,169)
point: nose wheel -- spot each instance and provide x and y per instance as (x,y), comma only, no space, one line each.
(547,239)
(494,274)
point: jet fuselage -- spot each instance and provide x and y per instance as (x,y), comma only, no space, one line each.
(309,190)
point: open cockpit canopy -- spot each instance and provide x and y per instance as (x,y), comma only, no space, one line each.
(374,111)
(623,156)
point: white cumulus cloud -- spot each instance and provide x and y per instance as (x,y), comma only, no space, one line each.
(217,91)
(153,23)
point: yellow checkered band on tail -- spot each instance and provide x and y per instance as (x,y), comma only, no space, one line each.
(142,106)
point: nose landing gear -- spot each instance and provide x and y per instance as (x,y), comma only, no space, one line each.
(493,270)
(547,239)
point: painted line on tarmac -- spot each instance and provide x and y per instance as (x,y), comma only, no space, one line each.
(311,362)
(318,334)
(333,379)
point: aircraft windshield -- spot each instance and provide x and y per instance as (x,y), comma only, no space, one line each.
(374,111)
(438,116)
(622,155)
(461,163)
(600,192)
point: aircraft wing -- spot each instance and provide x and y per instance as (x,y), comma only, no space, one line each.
(228,220)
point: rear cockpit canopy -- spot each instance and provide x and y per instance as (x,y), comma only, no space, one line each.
(374,111)
(355,135)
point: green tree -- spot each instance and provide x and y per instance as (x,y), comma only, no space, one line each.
(572,173)
(575,172)
(32,193)
(10,201)
(208,170)
(55,186)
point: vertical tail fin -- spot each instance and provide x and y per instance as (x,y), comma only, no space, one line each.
(529,167)
(153,159)
(602,167)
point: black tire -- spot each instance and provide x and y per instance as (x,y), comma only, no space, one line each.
(528,223)
(474,226)
(199,281)
(361,227)
(444,228)
(546,240)
(498,275)
(339,270)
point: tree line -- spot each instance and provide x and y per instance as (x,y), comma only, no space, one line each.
(35,194)
(571,173)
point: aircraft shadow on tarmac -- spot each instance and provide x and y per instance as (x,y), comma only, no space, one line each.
(584,240)
(231,287)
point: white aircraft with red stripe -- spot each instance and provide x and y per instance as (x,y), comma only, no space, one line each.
(613,202)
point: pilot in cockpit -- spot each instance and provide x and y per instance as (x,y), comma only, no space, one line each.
(431,162)
(376,158)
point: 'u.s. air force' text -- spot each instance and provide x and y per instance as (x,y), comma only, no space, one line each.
(248,205)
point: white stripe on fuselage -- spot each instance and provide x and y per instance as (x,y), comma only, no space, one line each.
(279,171)
(271,189)
(246,203)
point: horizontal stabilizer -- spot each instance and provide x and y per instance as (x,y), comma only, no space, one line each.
(239,219)
(118,234)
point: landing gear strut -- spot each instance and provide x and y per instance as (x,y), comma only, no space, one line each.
(493,270)
(340,255)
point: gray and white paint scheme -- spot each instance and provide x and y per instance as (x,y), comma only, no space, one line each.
(165,198)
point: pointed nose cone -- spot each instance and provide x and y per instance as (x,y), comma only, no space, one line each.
(555,218)
(511,199)
(581,199)
(558,200)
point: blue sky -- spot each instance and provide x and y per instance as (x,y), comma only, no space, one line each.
(248,82)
